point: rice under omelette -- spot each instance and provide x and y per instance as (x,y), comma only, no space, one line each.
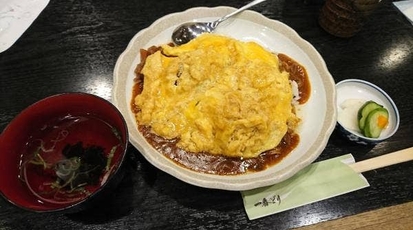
(217,95)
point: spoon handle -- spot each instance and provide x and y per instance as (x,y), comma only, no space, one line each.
(253,3)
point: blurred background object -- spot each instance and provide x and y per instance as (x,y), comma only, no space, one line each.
(344,18)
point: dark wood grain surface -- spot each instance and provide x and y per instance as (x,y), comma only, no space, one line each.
(73,46)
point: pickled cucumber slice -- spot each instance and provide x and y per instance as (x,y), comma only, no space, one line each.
(364,112)
(376,121)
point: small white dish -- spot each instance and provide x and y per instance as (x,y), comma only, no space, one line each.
(365,91)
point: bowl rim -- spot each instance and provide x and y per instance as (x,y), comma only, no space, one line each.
(388,98)
(76,206)
(217,181)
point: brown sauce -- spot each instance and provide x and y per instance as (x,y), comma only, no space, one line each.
(222,165)
(298,74)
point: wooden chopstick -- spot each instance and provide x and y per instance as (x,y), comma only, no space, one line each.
(384,160)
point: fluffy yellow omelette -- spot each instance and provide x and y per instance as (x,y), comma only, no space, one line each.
(217,95)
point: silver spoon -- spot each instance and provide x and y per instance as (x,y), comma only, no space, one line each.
(188,31)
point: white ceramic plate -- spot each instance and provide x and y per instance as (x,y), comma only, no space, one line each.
(318,114)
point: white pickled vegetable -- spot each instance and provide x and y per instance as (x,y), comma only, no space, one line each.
(347,113)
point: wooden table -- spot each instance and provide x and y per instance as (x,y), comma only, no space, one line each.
(73,46)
